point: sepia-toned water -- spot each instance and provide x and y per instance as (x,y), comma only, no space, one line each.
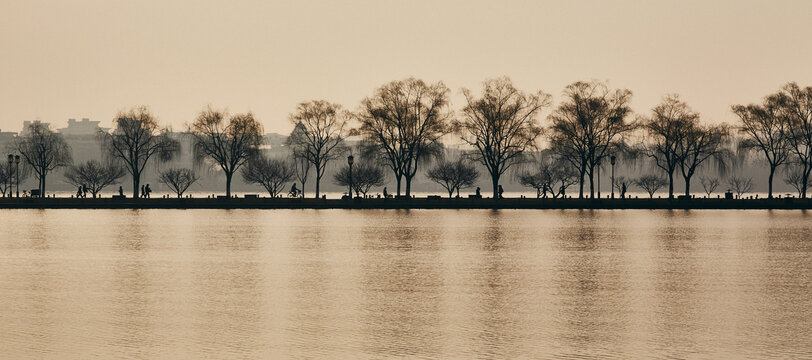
(447,284)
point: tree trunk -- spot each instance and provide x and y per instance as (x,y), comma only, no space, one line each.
(408,186)
(770,183)
(228,183)
(495,180)
(592,184)
(581,183)
(400,177)
(318,180)
(42,186)
(688,185)
(136,183)
(670,185)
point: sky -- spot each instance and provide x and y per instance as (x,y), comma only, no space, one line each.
(92,58)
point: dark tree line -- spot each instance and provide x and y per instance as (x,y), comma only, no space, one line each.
(401,125)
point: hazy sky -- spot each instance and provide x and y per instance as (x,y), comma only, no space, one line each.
(81,58)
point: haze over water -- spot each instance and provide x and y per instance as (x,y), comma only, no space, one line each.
(78,284)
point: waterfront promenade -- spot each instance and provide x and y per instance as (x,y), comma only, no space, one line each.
(413,203)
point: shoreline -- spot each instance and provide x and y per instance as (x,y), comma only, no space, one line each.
(414,203)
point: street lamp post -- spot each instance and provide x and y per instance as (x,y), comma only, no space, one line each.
(350,160)
(17,172)
(10,181)
(599,178)
(612,161)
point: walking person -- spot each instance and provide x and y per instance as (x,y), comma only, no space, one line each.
(84,191)
(501,191)
(79,192)
(143,191)
(148,191)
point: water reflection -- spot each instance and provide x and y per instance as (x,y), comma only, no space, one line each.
(402,289)
(78,284)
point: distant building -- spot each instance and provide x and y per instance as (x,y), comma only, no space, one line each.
(27,125)
(84,127)
(6,136)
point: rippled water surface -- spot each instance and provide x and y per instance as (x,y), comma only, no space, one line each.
(77,284)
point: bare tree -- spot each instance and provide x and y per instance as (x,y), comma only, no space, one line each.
(766,130)
(9,178)
(453,175)
(317,137)
(665,130)
(740,185)
(301,164)
(402,124)
(794,177)
(699,144)
(272,174)
(651,183)
(795,105)
(709,184)
(94,175)
(179,180)
(44,150)
(136,139)
(589,125)
(227,141)
(500,125)
(549,174)
(365,175)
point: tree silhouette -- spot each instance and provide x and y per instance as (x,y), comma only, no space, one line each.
(44,150)
(549,174)
(317,137)
(365,175)
(650,183)
(740,185)
(795,105)
(453,175)
(709,184)
(227,141)
(9,177)
(700,144)
(136,139)
(794,176)
(665,129)
(500,125)
(94,175)
(589,125)
(766,131)
(179,180)
(272,174)
(402,124)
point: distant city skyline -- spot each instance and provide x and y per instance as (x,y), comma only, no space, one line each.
(92,58)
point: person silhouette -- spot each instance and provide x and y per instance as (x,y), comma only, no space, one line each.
(148,190)
(84,190)
(501,191)
(79,192)
(478,194)
(385,193)
(120,191)
(143,191)
(293,190)
(622,191)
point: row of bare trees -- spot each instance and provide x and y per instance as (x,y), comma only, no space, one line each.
(400,127)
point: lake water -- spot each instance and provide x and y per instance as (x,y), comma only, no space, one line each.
(448,284)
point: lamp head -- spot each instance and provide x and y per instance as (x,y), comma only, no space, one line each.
(10,158)
(17,159)
(350,159)
(612,159)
